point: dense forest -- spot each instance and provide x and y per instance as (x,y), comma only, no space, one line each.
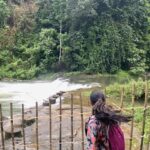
(92,36)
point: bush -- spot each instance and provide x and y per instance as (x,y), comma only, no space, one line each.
(115,90)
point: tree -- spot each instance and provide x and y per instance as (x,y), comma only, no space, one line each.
(147,36)
(4,13)
(52,14)
(76,35)
(113,33)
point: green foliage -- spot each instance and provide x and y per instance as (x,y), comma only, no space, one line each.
(4,13)
(92,36)
(50,13)
(137,61)
(116,89)
(123,74)
(48,48)
(138,118)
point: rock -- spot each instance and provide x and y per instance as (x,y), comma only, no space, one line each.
(55,96)
(17,131)
(45,103)
(28,120)
(52,101)
(60,93)
(17,122)
(17,125)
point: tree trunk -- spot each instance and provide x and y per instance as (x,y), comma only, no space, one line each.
(60,41)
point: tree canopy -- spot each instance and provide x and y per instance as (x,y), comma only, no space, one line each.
(94,36)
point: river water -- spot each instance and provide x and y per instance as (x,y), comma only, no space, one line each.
(29,92)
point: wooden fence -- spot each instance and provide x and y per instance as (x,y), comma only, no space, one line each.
(62,127)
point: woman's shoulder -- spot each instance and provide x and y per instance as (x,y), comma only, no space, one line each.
(91,118)
(92,121)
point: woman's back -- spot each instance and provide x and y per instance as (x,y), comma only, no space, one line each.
(104,137)
(102,129)
(96,135)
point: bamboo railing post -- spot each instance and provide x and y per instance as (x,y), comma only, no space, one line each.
(105,92)
(12,127)
(148,144)
(122,98)
(71,121)
(82,121)
(2,130)
(23,132)
(50,125)
(144,115)
(37,139)
(132,121)
(60,128)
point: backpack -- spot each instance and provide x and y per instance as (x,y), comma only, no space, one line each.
(113,134)
(115,137)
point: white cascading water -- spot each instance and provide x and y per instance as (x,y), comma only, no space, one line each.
(28,93)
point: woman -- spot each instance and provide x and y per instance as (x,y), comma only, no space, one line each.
(102,129)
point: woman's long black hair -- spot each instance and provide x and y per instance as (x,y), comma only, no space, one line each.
(103,112)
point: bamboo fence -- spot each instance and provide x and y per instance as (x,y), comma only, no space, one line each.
(83,114)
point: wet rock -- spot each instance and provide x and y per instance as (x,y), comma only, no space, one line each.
(55,96)
(52,101)
(46,103)
(60,93)
(17,131)
(28,120)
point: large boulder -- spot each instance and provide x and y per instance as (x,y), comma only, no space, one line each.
(18,125)
(17,128)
